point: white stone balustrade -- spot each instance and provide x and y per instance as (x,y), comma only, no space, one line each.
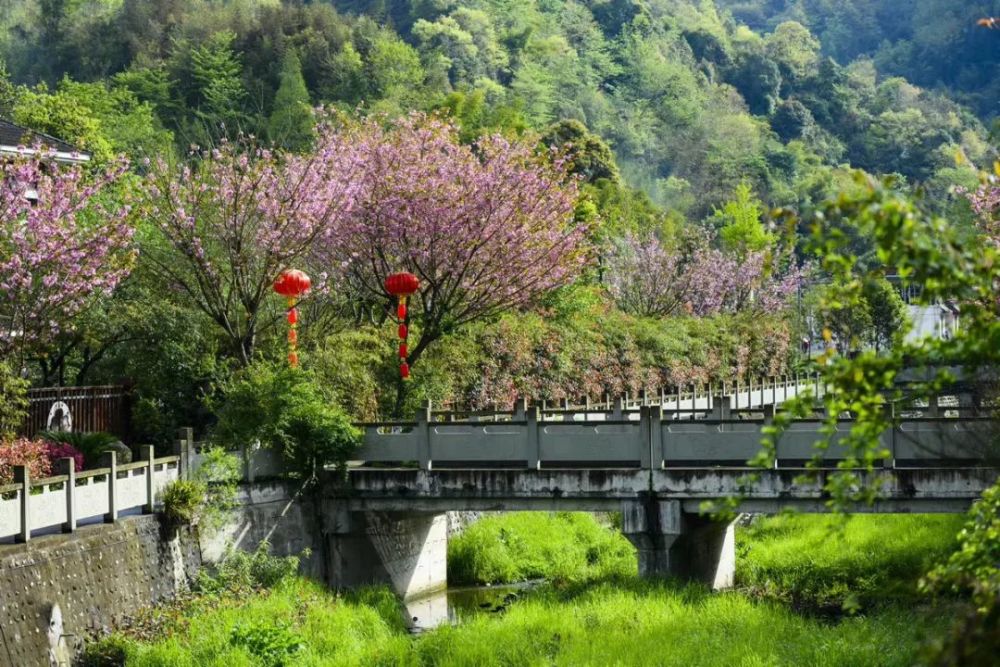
(68,499)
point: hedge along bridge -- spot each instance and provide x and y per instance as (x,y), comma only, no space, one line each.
(655,464)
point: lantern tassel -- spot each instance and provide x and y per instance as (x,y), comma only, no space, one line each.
(293,334)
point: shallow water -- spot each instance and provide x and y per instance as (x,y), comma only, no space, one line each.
(453,605)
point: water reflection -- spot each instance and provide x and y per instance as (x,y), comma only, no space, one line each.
(454,605)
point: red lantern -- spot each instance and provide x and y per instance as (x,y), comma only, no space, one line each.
(401,285)
(292,284)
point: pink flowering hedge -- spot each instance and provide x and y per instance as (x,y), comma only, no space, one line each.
(61,450)
(32,453)
(39,455)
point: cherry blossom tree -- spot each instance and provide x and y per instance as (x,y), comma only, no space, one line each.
(647,278)
(234,217)
(985,202)
(64,240)
(486,228)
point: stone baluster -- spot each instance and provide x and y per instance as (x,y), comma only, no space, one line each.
(22,476)
(147,454)
(424,437)
(533,453)
(67,466)
(109,460)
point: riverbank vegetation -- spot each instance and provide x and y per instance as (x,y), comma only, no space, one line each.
(592,613)
(833,564)
(621,622)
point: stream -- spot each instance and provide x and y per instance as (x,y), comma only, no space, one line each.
(453,605)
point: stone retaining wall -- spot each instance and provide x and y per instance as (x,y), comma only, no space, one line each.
(280,513)
(96,578)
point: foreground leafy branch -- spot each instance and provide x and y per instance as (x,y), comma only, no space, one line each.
(923,250)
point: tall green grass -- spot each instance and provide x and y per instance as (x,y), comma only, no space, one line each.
(828,561)
(563,546)
(611,623)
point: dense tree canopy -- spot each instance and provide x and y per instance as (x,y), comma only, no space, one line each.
(676,121)
(690,103)
(933,43)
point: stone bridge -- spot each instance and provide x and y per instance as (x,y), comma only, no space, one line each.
(656,466)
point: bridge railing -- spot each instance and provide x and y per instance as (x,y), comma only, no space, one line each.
(688,402)
(684,399)
(62,502)
(655,439)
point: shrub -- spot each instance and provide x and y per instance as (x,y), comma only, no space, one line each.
(350,366)
(56,451)
(972,570)
(220,473)
(91,445)
(273,643)
(13,402)
(284,408)
(32,453)
(108,652)
(241,570)
(182,502)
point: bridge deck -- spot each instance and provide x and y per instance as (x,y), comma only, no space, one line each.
(917,490)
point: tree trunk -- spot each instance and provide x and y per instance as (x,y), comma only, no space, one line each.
(397,410)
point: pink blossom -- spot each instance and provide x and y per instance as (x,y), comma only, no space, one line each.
(58,249)
(241,214)
(985,202)
(646,278)
(486,228)
(56,451)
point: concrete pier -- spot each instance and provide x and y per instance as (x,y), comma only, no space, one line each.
(672,543)
(406,550)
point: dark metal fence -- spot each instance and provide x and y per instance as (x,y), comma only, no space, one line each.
(78,409)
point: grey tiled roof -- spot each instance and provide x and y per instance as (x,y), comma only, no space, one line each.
(12,134)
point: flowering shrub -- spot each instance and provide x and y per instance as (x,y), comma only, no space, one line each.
(32,453)
(60,450)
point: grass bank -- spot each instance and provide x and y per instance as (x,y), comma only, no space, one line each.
(827,564)
(563,546)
